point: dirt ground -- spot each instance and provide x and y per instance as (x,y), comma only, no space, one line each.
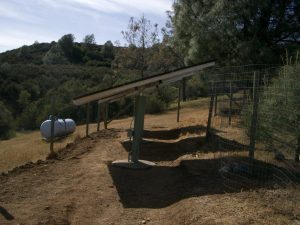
(185,187)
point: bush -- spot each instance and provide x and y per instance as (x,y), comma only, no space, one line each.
(279,110)
(155,104)
(6,123)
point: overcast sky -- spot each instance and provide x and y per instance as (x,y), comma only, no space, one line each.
(24,21)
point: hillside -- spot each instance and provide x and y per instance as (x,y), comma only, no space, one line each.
(41,79)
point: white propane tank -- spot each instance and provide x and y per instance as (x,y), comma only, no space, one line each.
(62,127)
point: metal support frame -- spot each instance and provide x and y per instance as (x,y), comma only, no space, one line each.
(98,116)
(105,115)
(178,103)
(230,103)
(52,118)
(87,119)
(138,127)
(210,112)
(134,162)
(254,115)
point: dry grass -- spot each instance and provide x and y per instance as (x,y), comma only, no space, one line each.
(29,147)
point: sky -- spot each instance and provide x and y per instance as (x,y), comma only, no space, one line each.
(23,22)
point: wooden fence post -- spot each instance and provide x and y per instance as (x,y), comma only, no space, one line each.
(254,117)
(211,105)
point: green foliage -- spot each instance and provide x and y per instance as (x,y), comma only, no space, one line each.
(140,35)
(236,32)
(155,104)
(66,43)
(89,39)
(196,87)
(6,122)
(279,110)
(108,50)
(55,56)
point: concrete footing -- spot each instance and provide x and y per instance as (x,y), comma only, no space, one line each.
(140,165)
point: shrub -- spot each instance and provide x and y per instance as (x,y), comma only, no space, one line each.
(6,123)
(279,110)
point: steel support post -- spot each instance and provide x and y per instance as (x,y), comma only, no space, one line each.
(138,127)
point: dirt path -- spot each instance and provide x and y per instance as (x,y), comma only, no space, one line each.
(82,187)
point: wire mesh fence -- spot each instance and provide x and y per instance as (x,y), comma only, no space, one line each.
(254,121)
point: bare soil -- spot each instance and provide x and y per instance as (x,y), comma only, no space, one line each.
(185,187)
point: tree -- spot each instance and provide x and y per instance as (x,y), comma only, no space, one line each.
(24,99)
(89,39)
(6,122)
(66,44)
(108,50)
(279,112)
(140,35)
(55,55)
(235,32)
(24,52)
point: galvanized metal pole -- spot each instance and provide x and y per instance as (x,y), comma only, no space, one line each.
(210,112)
(254,115)
(87,119)
(52,118)
(216,103)
(138,127)
(184,89)
(105,115)
(98,116)
(230,103)
(178,104)
(297,151)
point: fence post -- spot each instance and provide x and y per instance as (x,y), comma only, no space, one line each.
(216,102)
(297,152)
(87,119)
(183,89)
(211,105)
(105,115)
(98,116)
(230,103)
(254,117)
(178,104)
(52,118)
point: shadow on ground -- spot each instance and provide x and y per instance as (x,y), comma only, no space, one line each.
(165,145)
(174,133)
(162,186)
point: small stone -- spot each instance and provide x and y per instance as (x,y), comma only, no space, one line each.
(144,221)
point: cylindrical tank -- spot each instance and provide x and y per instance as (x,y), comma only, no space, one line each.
(62,127)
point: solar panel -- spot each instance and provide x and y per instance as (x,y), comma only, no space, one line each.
(135,87)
